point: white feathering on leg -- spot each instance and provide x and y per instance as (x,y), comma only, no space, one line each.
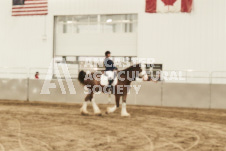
(83,109)
(109,99)
(124,112)
(95,107)
(111,109)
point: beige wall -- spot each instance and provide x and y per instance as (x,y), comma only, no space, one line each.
(154,94)
(186,95)
(218,96)
(13,89)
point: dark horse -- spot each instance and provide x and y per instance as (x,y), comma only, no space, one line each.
(125,77)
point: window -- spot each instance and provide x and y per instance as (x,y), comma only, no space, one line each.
(123,23)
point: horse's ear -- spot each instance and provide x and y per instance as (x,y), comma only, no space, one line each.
(134,65)
(137,65)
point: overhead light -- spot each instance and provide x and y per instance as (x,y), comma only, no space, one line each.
(69,22)
(109,21)
(189,70)
(126,21)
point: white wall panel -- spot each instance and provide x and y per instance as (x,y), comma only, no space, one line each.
(179,41)
(186,41)
(96,44)
(21,43)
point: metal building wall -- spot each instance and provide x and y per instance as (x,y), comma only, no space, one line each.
(179,41)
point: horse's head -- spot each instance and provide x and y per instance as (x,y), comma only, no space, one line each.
(142,72)
(141,68)
(137,71)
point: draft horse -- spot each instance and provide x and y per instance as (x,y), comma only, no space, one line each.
(125,77)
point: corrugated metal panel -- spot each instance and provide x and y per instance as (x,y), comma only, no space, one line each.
(179,41)
(186,41)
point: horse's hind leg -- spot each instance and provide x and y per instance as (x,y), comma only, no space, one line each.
(113,109)
(95,107)
(83,109)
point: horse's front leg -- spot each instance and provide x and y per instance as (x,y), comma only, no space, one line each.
(124,111)
(113,109)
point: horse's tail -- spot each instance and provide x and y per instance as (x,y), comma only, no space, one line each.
(81,76)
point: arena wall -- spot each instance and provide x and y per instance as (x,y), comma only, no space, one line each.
(179,41)
(151,94)
(13,89)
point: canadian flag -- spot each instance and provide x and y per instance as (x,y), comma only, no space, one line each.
(165,6)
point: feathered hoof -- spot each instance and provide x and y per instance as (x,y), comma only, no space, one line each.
(98,114)
(125,115)
(84,113)
(108,111)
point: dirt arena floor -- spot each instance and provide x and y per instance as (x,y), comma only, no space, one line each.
(59,127)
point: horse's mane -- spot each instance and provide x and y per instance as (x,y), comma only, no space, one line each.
(131,67)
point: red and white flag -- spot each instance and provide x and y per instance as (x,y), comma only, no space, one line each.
(29,7)
(165,6)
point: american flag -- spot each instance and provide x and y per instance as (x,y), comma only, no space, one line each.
(29,7)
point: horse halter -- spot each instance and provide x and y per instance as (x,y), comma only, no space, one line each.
(143,73)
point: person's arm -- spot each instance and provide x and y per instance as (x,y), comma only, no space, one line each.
(113,66)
